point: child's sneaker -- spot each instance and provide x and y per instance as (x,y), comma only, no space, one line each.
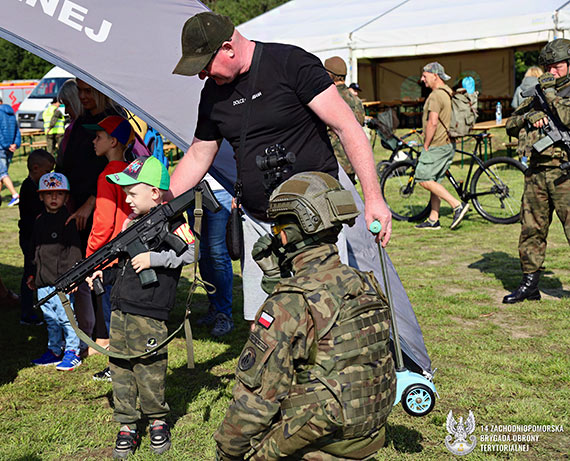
(159,437)
(69,362)
(15,200)
(128,441)
(103,375)
(49,358)
(33,320)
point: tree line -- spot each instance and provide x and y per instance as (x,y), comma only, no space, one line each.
(19,64)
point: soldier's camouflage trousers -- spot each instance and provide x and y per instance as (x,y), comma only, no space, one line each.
(540,199)
(145,378)
(315,441)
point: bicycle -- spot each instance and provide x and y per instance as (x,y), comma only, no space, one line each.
(495,188)
(401,148)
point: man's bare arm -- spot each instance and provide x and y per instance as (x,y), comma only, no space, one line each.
(193,166)
(433,120)
(333,111)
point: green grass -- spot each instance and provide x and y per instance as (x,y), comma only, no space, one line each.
(508,364)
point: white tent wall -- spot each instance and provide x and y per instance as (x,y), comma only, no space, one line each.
(446,31)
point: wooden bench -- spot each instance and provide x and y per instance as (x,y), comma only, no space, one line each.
(39,144)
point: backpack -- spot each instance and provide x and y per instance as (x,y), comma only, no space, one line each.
(463,112)
(154,142)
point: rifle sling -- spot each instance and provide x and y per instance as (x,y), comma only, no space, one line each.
(198,213)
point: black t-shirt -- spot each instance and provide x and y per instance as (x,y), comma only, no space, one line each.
(288,79)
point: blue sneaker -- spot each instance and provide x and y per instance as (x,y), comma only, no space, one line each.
(14,201)
(69,362)
(31,320)
(49,358)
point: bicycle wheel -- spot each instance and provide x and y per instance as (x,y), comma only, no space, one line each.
(406,200)
(497,190)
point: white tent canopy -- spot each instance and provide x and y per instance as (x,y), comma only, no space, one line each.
(356,29)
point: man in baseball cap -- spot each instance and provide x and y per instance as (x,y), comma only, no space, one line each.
(437,69)
(438,149)
(280,92)
(202,37)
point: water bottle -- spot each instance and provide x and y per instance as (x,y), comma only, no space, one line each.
(498,114)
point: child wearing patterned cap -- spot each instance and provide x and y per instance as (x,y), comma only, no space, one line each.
(139,313)
(55,247)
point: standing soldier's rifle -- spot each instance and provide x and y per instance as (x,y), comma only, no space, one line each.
(555,130)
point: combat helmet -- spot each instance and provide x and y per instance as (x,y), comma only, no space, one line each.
(555,51)
(315,200)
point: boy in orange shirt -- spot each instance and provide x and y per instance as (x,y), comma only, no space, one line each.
(114,136)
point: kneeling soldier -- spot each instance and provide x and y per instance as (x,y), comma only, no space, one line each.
(315,379)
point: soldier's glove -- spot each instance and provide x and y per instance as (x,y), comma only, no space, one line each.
(221,456)
(534,116)
(547,81)
(268,262)
(263,254)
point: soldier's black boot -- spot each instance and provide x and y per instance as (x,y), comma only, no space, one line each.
(528,289)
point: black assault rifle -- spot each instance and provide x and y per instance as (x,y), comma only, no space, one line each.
(145,235)
(555,130)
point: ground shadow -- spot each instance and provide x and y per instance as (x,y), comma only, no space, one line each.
(507,270)
(404,439)
(193,381)
(24,342)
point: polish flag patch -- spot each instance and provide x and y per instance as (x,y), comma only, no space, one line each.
(265,320)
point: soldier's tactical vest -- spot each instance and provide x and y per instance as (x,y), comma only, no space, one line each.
(552,156)
(350,359)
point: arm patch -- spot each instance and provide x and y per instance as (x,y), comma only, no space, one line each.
(185,233)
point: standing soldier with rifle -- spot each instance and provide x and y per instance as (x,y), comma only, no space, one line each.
(542,125)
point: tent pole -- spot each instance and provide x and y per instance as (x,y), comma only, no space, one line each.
(353,75)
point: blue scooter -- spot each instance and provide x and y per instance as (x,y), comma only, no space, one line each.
(416,392)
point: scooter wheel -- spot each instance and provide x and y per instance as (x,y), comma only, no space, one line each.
(418,400)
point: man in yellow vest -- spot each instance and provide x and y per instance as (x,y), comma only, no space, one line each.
(54,126)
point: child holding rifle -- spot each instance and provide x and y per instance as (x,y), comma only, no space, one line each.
(139,314)
(54,248)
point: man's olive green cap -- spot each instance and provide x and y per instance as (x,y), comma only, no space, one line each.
(202,35)
(336,65)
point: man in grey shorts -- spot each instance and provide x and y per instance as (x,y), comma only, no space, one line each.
(438,148)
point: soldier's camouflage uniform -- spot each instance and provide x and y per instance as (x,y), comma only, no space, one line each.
(322,333)
(356,105)
(544,190)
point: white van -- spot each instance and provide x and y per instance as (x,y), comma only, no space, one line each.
(31,110)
